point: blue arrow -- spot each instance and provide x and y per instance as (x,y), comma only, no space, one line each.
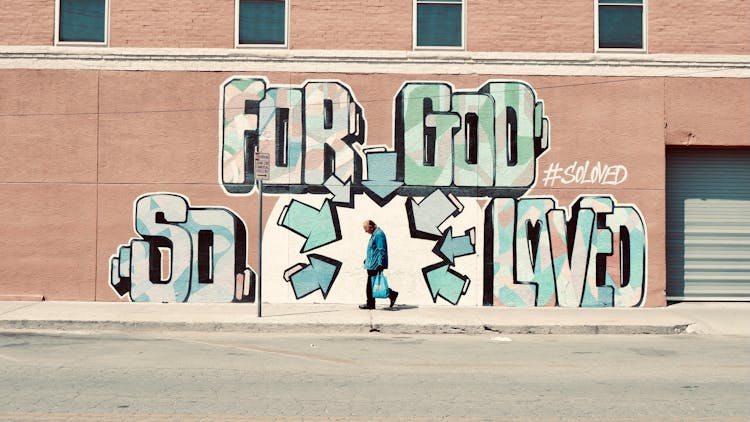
(319,227)
(450,247)
(426,217)
(319,274)
(382,188)
(342,192)
(381,173)
(445,282)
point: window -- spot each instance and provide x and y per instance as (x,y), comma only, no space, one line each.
(81,21)
(621,24)
(439,23)
(261,22)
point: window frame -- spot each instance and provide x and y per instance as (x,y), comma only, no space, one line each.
(462,47)
(644,25)
(59,42)
(237,29)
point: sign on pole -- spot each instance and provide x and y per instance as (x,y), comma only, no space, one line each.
(262,165)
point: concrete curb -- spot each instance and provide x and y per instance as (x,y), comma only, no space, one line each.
(340,328)
(593,329)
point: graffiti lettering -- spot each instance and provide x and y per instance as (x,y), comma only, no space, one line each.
(470,143)
(206,248)
(482,143)
(599,173)
(309,133)
(536,257)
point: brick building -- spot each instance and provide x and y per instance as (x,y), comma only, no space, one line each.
(584,153)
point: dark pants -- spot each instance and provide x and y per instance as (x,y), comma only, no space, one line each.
(368,290)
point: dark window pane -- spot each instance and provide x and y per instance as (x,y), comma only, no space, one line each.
(262,22)
(82,20)
(620,27)
(439,25)
(621,1)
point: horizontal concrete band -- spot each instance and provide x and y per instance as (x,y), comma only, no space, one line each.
(689,318)
(343,328)
(387,62)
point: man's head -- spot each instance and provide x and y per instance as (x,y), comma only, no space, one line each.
(369,226)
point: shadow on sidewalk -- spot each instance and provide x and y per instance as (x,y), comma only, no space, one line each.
(398,308)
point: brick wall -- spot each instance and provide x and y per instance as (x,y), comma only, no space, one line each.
(716,27)
(48,173)
(371,25)
(531,26)
(29,22)
(721,27)
(692,120)
(172,23)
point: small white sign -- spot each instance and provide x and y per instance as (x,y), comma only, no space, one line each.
(262,165)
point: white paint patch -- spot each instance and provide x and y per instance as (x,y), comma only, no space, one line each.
(407,256)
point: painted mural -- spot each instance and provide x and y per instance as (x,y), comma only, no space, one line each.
(451,195)
(184,254)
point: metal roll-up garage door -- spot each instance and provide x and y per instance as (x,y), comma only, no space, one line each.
(708,224)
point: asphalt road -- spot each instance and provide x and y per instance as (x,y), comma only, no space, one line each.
(121,376)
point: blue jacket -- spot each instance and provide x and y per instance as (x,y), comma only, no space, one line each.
(377,251)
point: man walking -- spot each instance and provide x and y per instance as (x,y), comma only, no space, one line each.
(376,261)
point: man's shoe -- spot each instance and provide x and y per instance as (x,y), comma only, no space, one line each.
(393,296)
(366,306)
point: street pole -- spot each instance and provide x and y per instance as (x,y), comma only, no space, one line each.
(259,298)
(262,169)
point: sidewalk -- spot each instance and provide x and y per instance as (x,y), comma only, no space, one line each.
(682,318)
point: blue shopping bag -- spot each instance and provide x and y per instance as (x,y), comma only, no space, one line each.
(379,286)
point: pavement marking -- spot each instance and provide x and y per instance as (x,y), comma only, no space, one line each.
(272,351)
(12,359)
